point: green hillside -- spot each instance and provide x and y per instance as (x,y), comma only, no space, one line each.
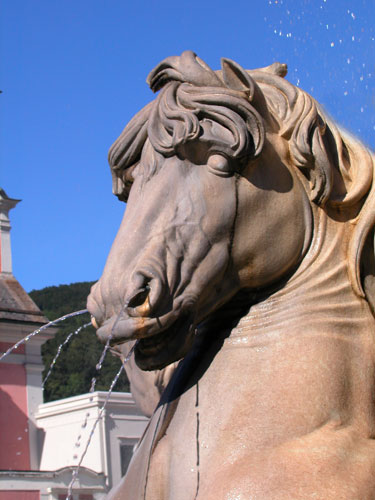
(75,367)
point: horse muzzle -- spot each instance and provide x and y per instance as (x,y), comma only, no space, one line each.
(143,314)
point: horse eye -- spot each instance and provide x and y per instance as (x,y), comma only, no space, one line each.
(219,165)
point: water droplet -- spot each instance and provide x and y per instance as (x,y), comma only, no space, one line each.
(332,44)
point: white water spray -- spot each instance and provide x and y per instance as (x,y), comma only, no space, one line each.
(76,471)
(44,327)
(76,332)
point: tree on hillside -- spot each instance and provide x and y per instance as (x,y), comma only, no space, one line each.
(76,365)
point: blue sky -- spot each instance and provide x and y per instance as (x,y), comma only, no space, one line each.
(73,74)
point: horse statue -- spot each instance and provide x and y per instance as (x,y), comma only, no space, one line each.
(244,271)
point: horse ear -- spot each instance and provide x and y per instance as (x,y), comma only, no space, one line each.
(311,155)
(236,78)
(276,68)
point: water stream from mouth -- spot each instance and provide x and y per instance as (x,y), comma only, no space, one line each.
(92,389)
(59,349)
(38,330)
(106,347)
(93,381)
(114,381)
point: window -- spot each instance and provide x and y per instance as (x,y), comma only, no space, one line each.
(82,496)
(126,453)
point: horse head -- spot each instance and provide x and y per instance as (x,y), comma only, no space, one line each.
(222,174)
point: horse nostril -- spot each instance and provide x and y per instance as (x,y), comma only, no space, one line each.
(139,298)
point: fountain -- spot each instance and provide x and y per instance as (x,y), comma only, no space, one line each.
(246,260)
(31,428)
(41,329)
(100,415)
(59,349)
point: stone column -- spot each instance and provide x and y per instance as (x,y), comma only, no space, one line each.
(6,204)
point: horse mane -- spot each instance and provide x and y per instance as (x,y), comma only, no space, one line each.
(338,167)
(174,120)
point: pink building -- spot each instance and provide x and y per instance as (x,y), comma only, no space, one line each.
(20,372)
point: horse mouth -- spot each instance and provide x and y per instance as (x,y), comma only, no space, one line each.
(161,341)
(170,345)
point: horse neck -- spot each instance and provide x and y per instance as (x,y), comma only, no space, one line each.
(319,294)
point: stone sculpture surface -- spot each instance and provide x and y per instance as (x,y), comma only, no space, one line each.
(245,267)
